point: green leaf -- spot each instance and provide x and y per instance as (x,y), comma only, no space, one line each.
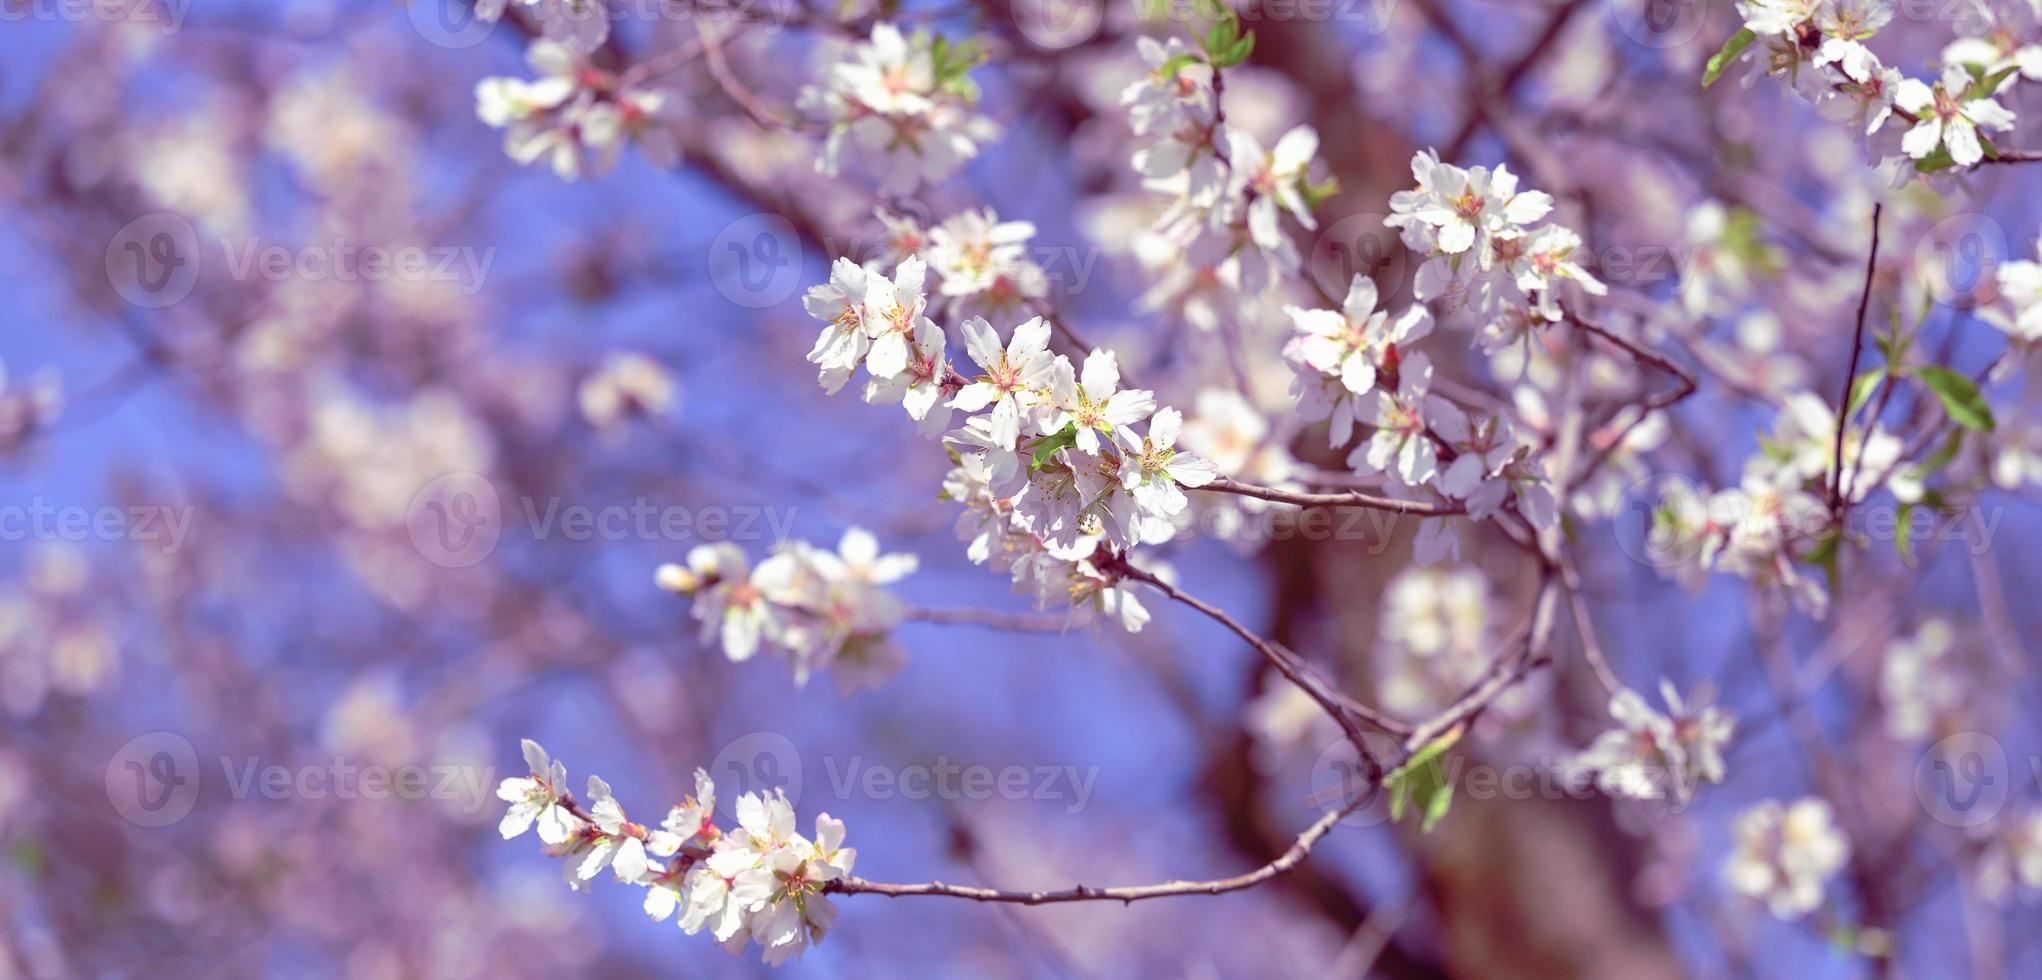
(1862,388)
(1048,445)
(1959,395)
(1179,63)
(1317,194)
(1987,85)
(1939,160)
(1219,39)
(1722,59)
(1240,50)
(1824,555)
(1422,781)
(1903,534)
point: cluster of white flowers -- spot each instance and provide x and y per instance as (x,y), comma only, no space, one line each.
(759,881)
(24,409)
(1436,640)
(1226,193)
(1049,464)
(2011,861)
(902,108)
(1653,756)
(1910,125)
(1354,368)
(1758,531)
(1929,681)
(2019,312)
(574,115)
(826,610)
(1784,853)
(981,264)
(1482,251)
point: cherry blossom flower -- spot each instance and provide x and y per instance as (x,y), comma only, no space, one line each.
(2020,286)
(1153,470)
(620,845)
(1653,756)
(1094,402)
(919,388)
(1352,343)
(731,607)
(1013,375)
(1928,682)
(536,799)
(840,305)
(2012,859)
(893,315)
(1785,853)
(1272,177)
(1401,445)
(1947,118)
(885,104)
(627,385)
(1765,17)
(984,260)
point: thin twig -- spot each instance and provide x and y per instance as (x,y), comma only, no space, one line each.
(1843,401)
(1284,862)
(1018,622)
(1345,498)
(1342,708)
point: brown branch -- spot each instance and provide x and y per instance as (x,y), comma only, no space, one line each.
(1843,401)
(1342,708)
(1018,622)
(1345,498)
(1288,860)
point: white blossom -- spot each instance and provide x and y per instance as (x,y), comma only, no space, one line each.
(1784,854)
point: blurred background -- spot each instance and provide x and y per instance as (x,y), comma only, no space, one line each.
(296,546)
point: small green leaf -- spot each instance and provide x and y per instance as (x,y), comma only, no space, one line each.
(1219,39)
(1903,534)
(1317,194)
(1241,49)
(1959,395)
(1722,59)
(1985,86)
(1422,781)
(1824,556)
(1179,63)
(1934,162)
(1048,445)
(1862,388)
